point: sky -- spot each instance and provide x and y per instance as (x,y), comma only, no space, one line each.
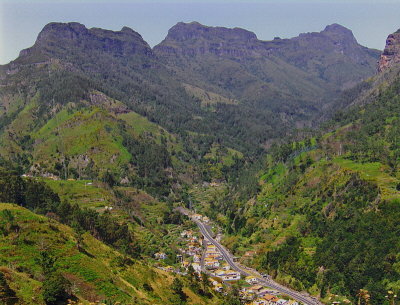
(370,20)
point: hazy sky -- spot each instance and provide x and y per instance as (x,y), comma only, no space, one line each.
(370,20)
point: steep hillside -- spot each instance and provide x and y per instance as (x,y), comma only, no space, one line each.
(44,261)
(85,104)
(70,63)
(390,56)
(325,217)
(112,135)
(109,86)
(88,242)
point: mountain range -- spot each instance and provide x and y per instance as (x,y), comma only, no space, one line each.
(309,67)
(220,85)
(289,146)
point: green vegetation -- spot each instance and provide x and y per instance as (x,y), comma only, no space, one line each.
(139,123)
(38,197)
(51,255)
(43,262)
(82,192)
(155,226)
(325,218)
(116,135)
(275,83)
(207,98)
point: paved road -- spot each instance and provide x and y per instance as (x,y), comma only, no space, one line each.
(202,258)
(229,259)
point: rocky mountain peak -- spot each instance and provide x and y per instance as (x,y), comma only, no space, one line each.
(192,39)
(339,33)
(56,30)
(128,30)
(341,37)
(194,30)
(55,38)
(391,53)
(337,28)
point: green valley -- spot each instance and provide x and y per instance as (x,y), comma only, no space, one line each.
(284,153)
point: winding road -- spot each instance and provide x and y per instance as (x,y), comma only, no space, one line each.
(305,299)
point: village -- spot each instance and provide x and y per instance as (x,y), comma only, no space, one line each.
(203,256)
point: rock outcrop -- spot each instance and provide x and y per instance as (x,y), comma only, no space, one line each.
(191,39)
(61,38)
(391,54)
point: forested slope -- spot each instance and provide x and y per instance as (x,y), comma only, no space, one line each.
(325,217)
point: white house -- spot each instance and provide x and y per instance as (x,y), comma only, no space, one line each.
(187,233)
(231,275)
(160,255)
(251,279)
(196,267)
(211,263)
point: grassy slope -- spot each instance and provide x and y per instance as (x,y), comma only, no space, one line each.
(82,132)
(208,98)
(92,132)
(103,275)
(79,192)
(19,127)
(224,156)
(376,172)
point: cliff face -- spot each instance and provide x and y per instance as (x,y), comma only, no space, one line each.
(191,39)
(308,66)
(391,54)
(59,39)
(336,42)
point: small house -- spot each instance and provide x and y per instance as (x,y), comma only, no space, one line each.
(197,216)
(185,264)
(272,300)
(256,288)
(211,263)
(218,287)
(160,255)
(251,279)
(169,269)
(231,275)
(196,267)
